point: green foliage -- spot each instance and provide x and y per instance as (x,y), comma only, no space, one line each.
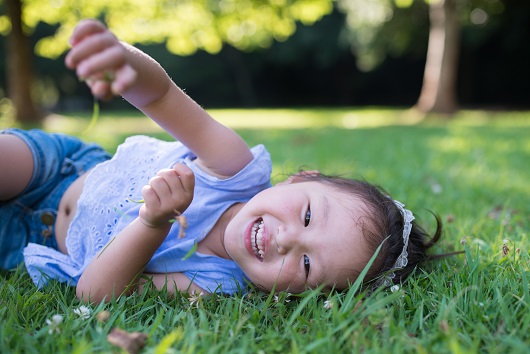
(472,170)
(380,28)
(185,26)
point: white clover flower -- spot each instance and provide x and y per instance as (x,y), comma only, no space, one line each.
(54,324)
(83,312)
(328,304)
(436,188)
(394,288)
(195,299)
(286,299)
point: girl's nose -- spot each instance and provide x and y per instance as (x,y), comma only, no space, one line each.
(286,239)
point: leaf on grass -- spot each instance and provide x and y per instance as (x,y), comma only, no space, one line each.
(166,342)
(130,342)
(505,250)
(103,316)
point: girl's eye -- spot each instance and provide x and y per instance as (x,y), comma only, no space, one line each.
(307,218)
(307,265)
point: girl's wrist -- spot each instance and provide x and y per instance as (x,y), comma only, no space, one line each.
(162,227)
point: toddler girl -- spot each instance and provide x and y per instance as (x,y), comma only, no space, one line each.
(196,214)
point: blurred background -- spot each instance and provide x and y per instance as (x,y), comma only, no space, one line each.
(435,56)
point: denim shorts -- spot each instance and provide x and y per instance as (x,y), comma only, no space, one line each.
(30,217)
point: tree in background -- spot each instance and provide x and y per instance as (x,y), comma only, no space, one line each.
(438,92)
(376,29)
(185,26)
(19,68)
(373,34)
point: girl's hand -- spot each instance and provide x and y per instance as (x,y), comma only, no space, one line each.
(168,194)
(99,58)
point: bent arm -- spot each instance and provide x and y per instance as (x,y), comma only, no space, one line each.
(220,150)
(96,52)
(117,268)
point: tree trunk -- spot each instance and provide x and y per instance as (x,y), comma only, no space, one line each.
(19,69)
(242,76)
(438,93)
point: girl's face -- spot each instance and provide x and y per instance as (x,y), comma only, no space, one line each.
(298,235)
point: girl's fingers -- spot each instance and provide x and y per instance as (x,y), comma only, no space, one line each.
(97,55)
(175,190)
(171,190)
(101,89)
(90,45)
(109,59)
(180,183)
(124,79)
(149,195)
(161,187)
(85,28)
(186,176)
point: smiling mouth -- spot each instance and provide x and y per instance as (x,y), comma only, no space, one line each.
(256,237)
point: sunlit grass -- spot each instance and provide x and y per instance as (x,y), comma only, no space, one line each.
(473,171)
(292,118)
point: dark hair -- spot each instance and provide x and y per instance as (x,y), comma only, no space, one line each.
(383,224)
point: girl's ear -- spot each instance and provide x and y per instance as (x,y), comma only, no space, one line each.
(299,177)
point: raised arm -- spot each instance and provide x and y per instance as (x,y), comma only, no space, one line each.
(115,68)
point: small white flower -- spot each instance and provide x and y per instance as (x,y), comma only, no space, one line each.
(54,324)
(195,299)
(328,304)
(436,188)
(394,288)
(286,299)
(83,312)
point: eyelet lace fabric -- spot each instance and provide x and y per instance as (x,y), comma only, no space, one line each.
(107,203)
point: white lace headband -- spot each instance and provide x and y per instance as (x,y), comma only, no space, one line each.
(402,260)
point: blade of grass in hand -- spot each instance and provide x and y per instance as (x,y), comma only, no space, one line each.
(95,116)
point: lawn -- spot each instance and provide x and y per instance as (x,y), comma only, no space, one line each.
(473,171)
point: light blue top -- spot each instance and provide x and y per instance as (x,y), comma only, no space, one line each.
(107,204)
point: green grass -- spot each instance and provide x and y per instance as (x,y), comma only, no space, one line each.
(473,171)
